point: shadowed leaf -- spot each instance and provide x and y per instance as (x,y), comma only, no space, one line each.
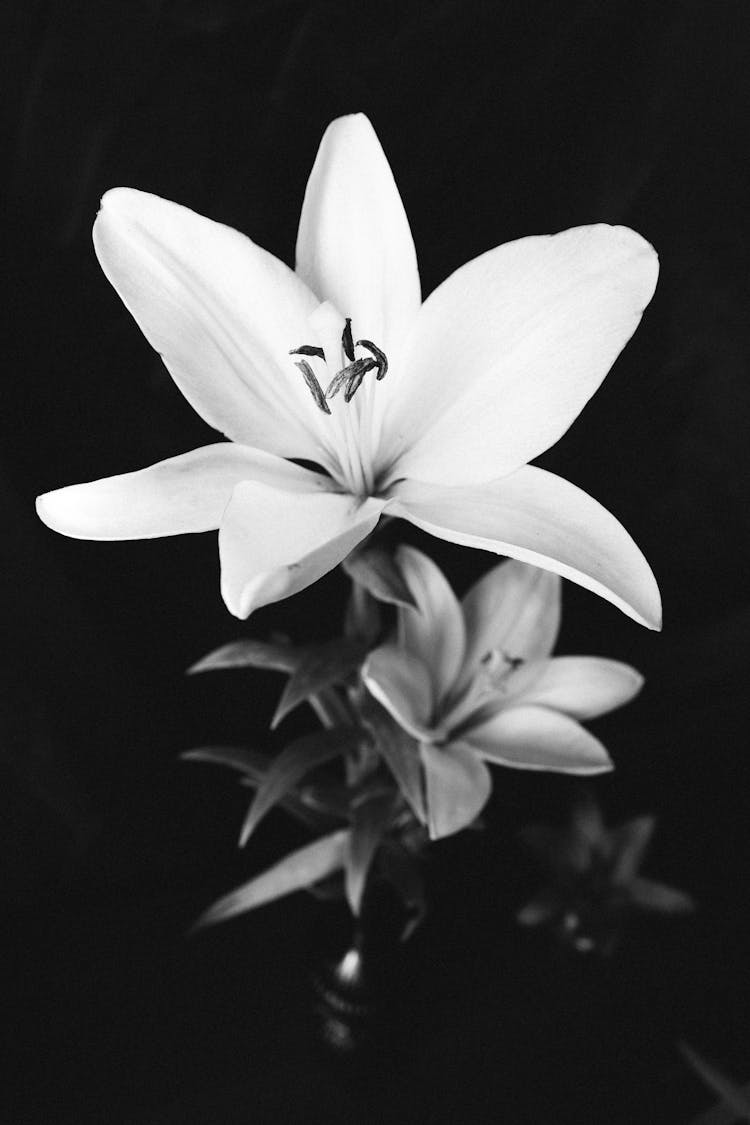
(319,668)
(399,752)
(291,765)
(299,869)
(250,654)
(630,842)
(656,896)
(376,570)
(329,799)
(557,849)
(363,620)
(736,1099)
(401,869)
(586,820)
(371,817)
(252,763)
(542,908)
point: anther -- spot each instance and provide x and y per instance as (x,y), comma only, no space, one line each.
(309,349)
(380,357)
(351,375)
(313,385)
(346,340)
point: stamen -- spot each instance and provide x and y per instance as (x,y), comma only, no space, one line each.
(309,349)
(380,357)
(356,379)
(346,340)
(352,375)
(313,385)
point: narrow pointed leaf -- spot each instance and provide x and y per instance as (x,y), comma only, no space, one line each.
(375,568)
(718,1115)
(630,842)
(331,799)
(540,909)
(587,821)
(250,654)
(401,869)
(734,1097)
(559,850)
(371,818)
(400,753)
(291,765)
(251,763)
(320,667)
(299,869)
(649,895)
(363,620)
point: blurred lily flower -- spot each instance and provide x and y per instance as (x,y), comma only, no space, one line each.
(430,411)
(473,682)
(595,882)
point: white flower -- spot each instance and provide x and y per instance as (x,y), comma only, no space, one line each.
(473,682)
(482,377)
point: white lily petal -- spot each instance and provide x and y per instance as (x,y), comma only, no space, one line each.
(583,686)
(221,312)
(514,608)
(535,738)
(434,631)
(354,246)
(541,519)
(508,350)
(274,543)
(401,682)
(458,785)
(182,494)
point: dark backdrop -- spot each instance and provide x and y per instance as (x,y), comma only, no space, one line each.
(500,119)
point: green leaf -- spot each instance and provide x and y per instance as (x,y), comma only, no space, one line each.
(318,668)
(371,818)
(250,654)
(400,753)
(299,869)
(290,766)
(375,568)
(734,1097)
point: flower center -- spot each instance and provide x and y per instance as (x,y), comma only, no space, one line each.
(351,374)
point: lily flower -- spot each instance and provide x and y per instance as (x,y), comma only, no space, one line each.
(595,879)
(430,411)
(473,682)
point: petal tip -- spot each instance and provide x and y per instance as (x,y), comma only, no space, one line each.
(42,506)
(651,615)
(356,120)
(52,513)
(112,200)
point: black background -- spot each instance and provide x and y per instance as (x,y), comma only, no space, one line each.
(499,119)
